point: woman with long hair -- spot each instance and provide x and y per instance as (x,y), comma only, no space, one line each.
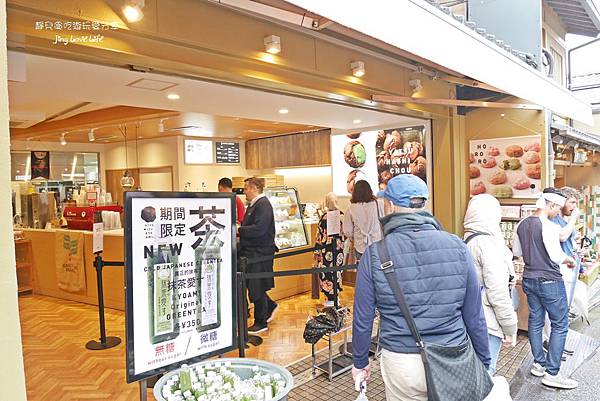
(361,221)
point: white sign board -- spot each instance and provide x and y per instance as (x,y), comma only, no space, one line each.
(333,222)
(98,237)
(181,265)
(198,151)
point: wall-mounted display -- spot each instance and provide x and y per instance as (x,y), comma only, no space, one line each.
(377,156)
(506,167)
(227,152)
(198,151)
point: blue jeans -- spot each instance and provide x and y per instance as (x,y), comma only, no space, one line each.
(547,296)
(495,346)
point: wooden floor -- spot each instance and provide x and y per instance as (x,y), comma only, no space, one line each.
(58,367)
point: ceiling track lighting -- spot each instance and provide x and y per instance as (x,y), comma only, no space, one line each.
(133,10)
(272,44)
(63,140)
(358,68)
(92,135)
(161,126)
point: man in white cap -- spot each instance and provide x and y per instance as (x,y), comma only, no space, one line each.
(537,240)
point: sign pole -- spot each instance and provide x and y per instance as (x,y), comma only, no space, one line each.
(143,390)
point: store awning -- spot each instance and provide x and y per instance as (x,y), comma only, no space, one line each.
(581,137)
(425,31)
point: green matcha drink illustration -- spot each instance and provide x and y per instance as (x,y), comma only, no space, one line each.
(355,154)
(162,259)
(208,269)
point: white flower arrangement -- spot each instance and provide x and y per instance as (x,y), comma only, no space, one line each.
(221,383)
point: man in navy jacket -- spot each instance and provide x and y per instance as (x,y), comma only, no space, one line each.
(257,239)
(439,281)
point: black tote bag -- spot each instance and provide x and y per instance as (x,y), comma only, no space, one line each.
(452,373)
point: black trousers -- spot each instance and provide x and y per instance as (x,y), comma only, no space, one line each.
(262,306)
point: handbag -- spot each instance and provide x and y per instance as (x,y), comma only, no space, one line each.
(452,373)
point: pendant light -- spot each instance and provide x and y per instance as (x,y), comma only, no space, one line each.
(127,180)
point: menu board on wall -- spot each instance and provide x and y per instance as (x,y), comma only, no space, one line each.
(506,167)
(377,156)
(180,269)
(227,152)
(198,151)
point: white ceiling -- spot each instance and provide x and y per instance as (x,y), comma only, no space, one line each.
(53,85)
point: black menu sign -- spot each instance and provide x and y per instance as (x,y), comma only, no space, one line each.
(228,152)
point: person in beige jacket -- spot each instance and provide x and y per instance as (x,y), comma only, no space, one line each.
(493,261)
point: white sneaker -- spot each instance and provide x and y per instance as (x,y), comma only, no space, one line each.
(538,370)
(559,381)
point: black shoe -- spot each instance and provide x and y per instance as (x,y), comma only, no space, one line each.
(272,312)
(257,328)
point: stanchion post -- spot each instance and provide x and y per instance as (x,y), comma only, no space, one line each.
(241,316)
(334,239)
(252,339)
(105,342)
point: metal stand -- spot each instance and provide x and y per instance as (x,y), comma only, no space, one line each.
(334,239)
(105,342)
(335,366)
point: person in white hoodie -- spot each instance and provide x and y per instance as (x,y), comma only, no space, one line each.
(493,261)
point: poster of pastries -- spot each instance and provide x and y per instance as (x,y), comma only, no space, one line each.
(401,151)
(506,167)
(377,156)
(353,159)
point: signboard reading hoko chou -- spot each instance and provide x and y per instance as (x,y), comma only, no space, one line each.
(180,270)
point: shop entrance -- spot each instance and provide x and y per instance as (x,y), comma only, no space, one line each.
(170,133)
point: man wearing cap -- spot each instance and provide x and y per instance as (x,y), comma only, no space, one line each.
(537,240)
(439,281)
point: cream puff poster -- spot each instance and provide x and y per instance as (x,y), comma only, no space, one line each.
(377,156)
(506,167)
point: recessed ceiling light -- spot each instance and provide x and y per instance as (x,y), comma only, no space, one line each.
(283,111)
(133,10)
(140,137)
(237,119)
(66,169)
(357,121)
(275,122)
(173,96)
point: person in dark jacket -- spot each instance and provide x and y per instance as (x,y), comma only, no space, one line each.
(257,239)
(439,280)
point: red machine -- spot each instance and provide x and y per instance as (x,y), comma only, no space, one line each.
(82,217)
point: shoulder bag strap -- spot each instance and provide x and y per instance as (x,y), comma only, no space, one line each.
(387,266)
(472,236)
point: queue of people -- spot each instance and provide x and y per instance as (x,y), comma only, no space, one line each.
(451,292)
(457,290)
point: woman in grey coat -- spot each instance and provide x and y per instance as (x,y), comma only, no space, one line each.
(493,261)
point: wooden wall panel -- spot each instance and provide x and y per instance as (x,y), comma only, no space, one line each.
(296,150)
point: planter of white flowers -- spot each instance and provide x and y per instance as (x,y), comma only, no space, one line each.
(225,379)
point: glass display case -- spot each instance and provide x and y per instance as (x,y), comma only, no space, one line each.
(289,225)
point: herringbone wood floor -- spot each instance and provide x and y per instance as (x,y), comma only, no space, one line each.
(59,368)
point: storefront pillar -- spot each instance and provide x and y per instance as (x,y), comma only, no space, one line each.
(12,374)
